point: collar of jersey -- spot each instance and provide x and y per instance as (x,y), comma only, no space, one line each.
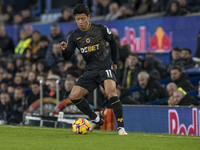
(87,28)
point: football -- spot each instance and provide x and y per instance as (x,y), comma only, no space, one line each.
(81,126)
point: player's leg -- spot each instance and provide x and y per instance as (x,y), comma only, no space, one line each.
(111,93)
(77,97)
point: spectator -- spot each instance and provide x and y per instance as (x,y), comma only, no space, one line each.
(56,37)
(11,89)
(181,99)
(149,65)
(52,71)
(57,54)
(26,16)
(34,66)
(186,57)
(28,66)
(10,67)
(158,6)
(131,9)
(172,87)
(151,89)
(6,43)
(158,64)
(66,15)
(143,8)
(24,74)
(124,51)
(32,77)
(40,77)
(176,59)
(24,41)
(19,61)
(181,79)
(125,97)
(19,82)
(63,69)
(18,106)
(102,7)
(35,93)
(125,12)
(190,6)
(5,106)
(8,76)
(175,9)
(3,86)
(69,83)
(2,13)
(114,12)
(131,70)
(33,46)
(8,20)
(41,67)
(17,19)
(41,52)
(11,10)
(51,82)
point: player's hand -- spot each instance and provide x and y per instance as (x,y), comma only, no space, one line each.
(63,45)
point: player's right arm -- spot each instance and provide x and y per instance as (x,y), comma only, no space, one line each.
(68,48)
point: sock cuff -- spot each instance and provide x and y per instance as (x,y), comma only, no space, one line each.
(114,100)
(76,102)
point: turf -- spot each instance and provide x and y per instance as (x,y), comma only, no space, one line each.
(37,138)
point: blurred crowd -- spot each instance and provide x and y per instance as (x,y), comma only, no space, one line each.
(38,57)
(20,12)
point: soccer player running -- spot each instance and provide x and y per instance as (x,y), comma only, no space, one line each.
(91,39)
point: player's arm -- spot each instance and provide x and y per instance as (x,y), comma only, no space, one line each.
(109,37)
(68,48)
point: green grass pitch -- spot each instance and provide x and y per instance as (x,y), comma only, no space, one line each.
(42,138)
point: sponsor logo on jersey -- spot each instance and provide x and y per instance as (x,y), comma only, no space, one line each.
(87,40)
(90,48)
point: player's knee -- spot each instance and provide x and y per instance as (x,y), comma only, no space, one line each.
(74,96)
(110,94)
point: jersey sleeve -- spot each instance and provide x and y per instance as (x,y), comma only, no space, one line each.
(69,51)
(109,37)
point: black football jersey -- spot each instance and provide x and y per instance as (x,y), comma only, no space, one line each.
(92,46)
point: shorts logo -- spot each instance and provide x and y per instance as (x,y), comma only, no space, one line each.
(87,40)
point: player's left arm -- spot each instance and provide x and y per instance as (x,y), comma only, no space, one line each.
(109,37)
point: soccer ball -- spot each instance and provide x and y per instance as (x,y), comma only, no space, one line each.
(81,126)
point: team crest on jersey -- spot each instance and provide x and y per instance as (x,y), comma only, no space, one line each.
(87,40)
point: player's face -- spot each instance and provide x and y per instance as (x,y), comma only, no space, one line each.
(82,21)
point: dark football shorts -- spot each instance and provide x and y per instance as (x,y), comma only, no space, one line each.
(93,78)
